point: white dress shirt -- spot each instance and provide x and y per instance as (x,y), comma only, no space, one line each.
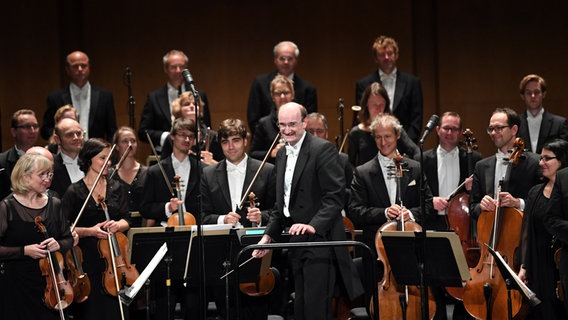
(389,82)
(448,172)
(81,100)
(236,174)
(534,124)
(291,159)
(75,173)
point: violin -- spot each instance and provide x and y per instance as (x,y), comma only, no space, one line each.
(265,280)
(58,292)
(458,217)
(485,295)
(78,279)
(397,301)
(118,268)
(181,218)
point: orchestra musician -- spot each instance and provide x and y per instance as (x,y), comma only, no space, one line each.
(309,198)
(22,286)
(537,246)
(69,136)
(92,226)
(373,191)
(361,146)
(503,128)
(223,186)
(159,204)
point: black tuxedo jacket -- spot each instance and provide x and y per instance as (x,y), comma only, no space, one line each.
(370,197)
(408,102)
(260,101)
(523,177)
(436,221)
(316,198)
(102,116)
(61,180)
(217,198)
(8,160)
(157,194)
(157,116)
(551,127)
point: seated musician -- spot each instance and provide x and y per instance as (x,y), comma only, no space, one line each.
(223,187)
(161,202)
(374,190)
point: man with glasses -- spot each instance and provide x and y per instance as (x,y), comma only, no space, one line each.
(25,130)
(157,115)
(260,103)
(309,198)
(69,136)
(538,125)
(94,105)
(517,180)
(446,167)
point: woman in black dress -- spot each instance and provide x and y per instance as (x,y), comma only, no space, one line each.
(538,269)
(22,285)
(92,225)
(131,174)
(361,146)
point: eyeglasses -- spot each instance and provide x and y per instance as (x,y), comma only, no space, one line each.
(28,126)
(451,129)
(546,158)
(293,124)
(184,136)
(497,129)
(279,93)
(46,175)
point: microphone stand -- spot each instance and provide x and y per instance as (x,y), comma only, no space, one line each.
(199,215)
(421,239)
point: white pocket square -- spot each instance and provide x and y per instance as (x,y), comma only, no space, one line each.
(412,183)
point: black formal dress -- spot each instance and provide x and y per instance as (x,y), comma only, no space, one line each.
(556,222)
(266,132)
(316,198)
(134,192)
(260,101)
(407,105)
(102,116)
(22,286)
(8,160)
(537,257)
(99,305)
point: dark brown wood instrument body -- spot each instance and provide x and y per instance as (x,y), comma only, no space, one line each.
(126,272)
(78,279)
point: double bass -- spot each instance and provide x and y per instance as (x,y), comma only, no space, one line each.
(398,301)
(486,294)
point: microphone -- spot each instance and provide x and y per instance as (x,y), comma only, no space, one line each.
(432,123)
(187,78)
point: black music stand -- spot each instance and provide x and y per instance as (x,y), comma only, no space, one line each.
(444,265)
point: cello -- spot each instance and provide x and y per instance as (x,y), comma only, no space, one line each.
(486,295)
(398,301)
(58,292)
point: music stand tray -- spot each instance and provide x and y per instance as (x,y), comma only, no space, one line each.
(444,260)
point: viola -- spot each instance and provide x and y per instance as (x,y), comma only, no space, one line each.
(58,292)
(78,279)
(181,218)
(119,272)
(265,280)
(398,301)
(485,295)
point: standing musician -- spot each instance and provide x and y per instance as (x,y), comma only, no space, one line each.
(159,204)
(92,225)
(69,136)
(556,222)
(22,286)
(373,191)
(503,128)
(224,185)
(309,198)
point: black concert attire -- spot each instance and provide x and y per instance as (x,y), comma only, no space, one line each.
(134,192)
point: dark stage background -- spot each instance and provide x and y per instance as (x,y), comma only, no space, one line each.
(470,55)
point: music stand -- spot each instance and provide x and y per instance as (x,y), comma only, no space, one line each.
(444,265)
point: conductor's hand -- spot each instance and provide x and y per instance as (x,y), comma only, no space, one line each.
(440,203)
(253,215)
(300,228)
(259,253)
(231,218)
(487,204)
